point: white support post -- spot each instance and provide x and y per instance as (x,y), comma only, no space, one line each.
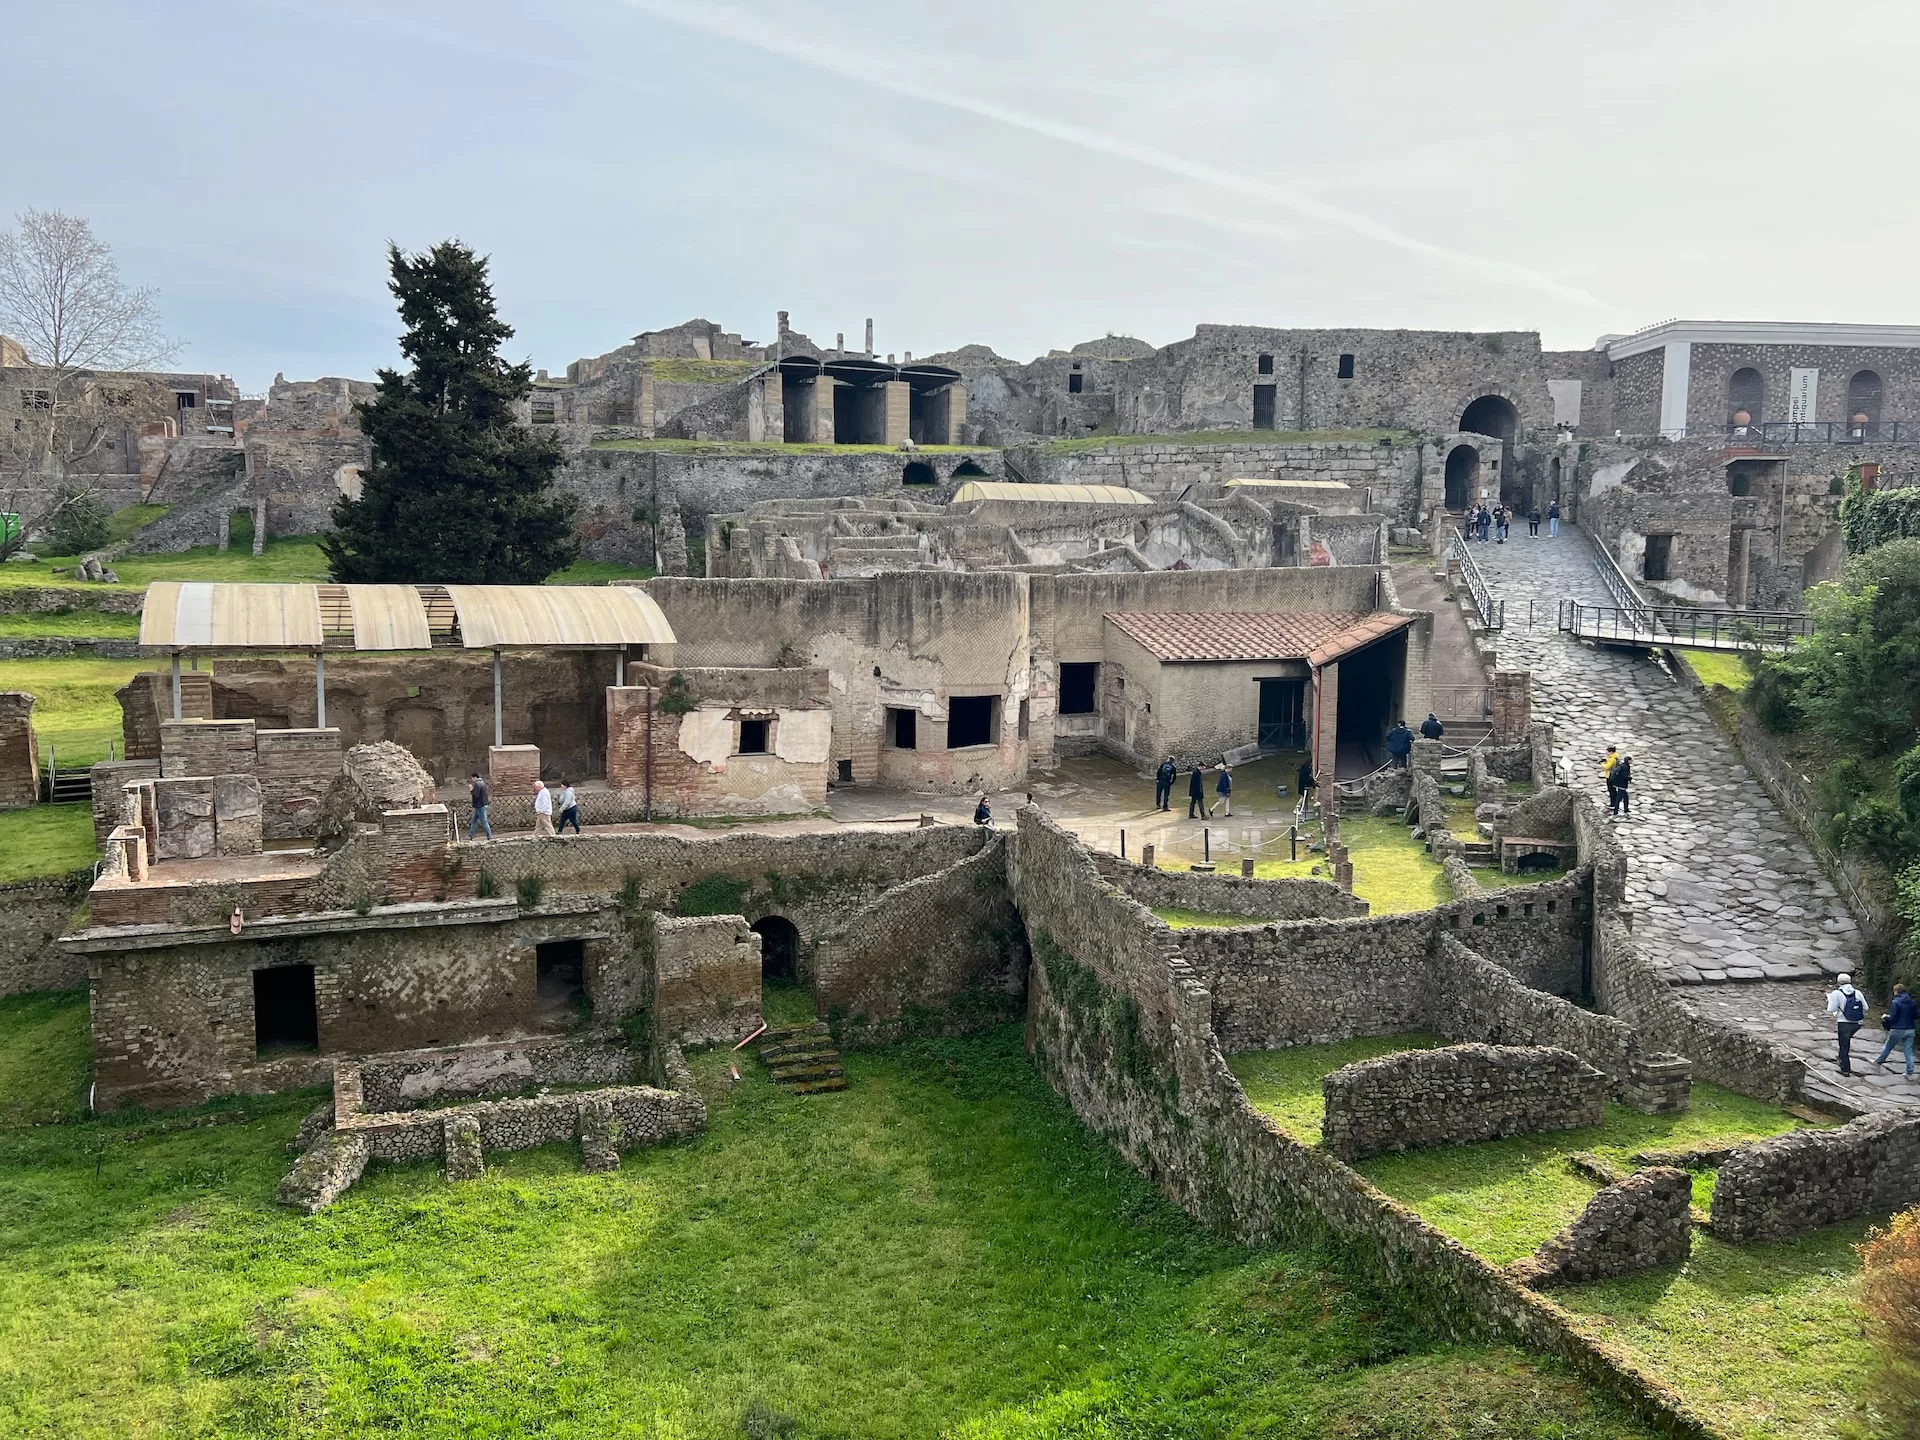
(176,684)
(497,740)
(320,686)
(620,666)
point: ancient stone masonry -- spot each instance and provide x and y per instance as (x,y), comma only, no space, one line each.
(1229,894)
(37,912)
(19,755)
(1799,1182)
(1456,1096)
(1642,1222)
(706,978)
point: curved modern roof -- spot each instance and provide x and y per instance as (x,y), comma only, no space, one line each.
(211,616)
(1049,494)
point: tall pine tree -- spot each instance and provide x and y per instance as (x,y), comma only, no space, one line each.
(458,493)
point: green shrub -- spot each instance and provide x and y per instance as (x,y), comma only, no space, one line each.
(1871,518)
(485,887)
(677,699)
(527,888)
(79,523)
(712,895)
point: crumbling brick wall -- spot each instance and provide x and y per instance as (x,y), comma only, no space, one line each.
(1218,894)
(38,911)
(19,755)
(1795,1183)
(1456,1096)
(706,978)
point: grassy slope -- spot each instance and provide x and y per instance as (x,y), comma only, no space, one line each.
(74,709)
(1717,668)
(941,1246)
(71,624)
(44,1046)
(45,840)
(1766,1338)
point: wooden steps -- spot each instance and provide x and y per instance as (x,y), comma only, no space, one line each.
(802,1058)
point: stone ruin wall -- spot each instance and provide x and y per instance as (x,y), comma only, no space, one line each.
(1457,1096)
(1802,1181)
(19,754)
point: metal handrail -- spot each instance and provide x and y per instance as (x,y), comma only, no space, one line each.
(1625,593)
(1826,432)
(1493,613)
(1674,625)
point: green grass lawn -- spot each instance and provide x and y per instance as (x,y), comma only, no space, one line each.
(74,710)
(1765,1338)
(779,447)
(597,572)
(45,840)
(1715,667)
(294,559)
(43,1059)
(941,1249)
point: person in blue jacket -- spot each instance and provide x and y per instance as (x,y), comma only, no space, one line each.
(1899,1023)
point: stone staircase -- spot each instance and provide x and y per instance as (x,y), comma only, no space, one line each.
(1479,852)
(802,1058)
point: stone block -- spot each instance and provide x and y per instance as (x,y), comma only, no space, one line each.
(1456,1096)
(464,1158)
(19,754)
(236,815)
(600,1134)
(325,1173)
(110,779)
(1643,1222)
(190,748)
(1658,1084)
(184,819)
(512,769)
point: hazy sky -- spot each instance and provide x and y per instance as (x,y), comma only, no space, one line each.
(1022,173)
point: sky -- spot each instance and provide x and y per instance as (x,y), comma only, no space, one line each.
(1025,174)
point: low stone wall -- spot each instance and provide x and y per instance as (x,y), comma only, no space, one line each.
(1471,998)
(1640,1223)
(1456,1096)
(405,1081)
(1218,894)
(37,912)
(60,647)
(706,975)
(1799,1182)
(944,953)
(45,599)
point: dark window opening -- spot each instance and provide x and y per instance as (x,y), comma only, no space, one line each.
(1078,683)
(285,1016)
(1740,477)
(1659,557)
(753,737)
(1746,393)
(917,472)
(779,949)
(1463,466)
(560,980)
(1266,364)
(972,720)
(903,727)
(1346,367)
(185,399)
(843,772)
(1263,406)
(1023,720)
(1074,382)
(1863,404)
(1283,714)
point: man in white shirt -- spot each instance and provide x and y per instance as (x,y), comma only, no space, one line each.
(1849,1007)
(542,809)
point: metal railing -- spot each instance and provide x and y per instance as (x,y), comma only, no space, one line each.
(1461,702)
(1678,626)
(1493,612)
(1828,432)
(1619,586)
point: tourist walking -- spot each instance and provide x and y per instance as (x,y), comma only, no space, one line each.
(1431,726)
(1309,787)
(542,809)
(1196,792)
(1607,762)
(1619,787)
(1163,785)
(983,813)
(1223,790)
(1553,519)
(1849,1007)
(1533,521)
(1898,1022)
(1502,522)
(1485,523)
(477,793)
(569,808)
(1399,744)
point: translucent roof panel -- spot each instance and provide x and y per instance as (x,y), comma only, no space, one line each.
(557,615)
(388,617)
(1049,494)
(207,616)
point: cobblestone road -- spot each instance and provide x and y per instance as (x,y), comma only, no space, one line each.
(1732,904)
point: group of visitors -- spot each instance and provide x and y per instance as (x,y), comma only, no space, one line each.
(1400,738)
(545,806)
(1849,1008)
(1198,807)
(1497,522)
(1617,771)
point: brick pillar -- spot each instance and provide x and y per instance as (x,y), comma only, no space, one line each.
(260,526)
(823,410)
(19,754)
(512,769)
(898,424)
(1324,717)
(1512,707)
(956,412)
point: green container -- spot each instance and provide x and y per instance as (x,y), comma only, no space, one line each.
(9,527)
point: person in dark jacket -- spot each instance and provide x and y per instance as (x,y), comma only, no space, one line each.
(1400,744)
(983,813)
(477,793)
(1309,787)
(1163,785)
(1533,521)
(1553,519)
(1899,1023)
(1619,780)
(1223,790)
(1431,726)
(1196,792)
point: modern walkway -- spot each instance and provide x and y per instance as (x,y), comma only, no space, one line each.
(1731,903)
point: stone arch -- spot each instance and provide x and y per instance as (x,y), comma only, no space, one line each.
(1865,396)
(1463,471)
(779,949)
(1491,414)
(1746,390)
(918,472)
(967,470)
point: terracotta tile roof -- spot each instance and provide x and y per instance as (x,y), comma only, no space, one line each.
(1221,635)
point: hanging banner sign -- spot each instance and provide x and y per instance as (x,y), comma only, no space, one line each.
(1803,395)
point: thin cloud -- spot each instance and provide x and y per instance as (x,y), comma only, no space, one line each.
(746,30)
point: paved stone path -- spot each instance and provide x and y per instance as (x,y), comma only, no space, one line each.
(1732,904)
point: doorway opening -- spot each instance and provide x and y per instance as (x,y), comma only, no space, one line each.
(903,728)
(560,981)
(1368,704)
(973,720)
(1263,406)
(286,1018)
(1283,715)
(1463,469)
(1078,682)
(779,950)
(917,472)
(1658,561)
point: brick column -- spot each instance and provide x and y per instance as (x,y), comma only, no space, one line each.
(956,412)
(19,755)
(898,422)
(1325,719)
(1512,707)
(823,410)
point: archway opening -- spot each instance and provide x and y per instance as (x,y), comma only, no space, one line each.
(967,470)
(1746,395)
(1463,469)
(779,950)
(1491,415)
(1863,404)
(917,472)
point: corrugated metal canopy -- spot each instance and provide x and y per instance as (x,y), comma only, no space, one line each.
(1050,494)
(206,616)
(388,617)
(557,615)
